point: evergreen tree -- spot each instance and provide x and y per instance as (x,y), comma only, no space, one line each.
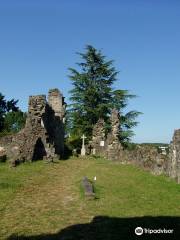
(127,120)
(93,97)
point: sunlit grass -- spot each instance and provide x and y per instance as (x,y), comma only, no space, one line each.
(38,198)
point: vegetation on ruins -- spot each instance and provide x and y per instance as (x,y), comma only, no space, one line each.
(11,118)
(93,96)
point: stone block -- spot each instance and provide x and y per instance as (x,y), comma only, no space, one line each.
(88,188)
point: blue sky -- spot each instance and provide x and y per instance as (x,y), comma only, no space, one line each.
(39,41)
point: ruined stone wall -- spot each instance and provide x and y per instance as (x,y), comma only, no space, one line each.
(148,158)
(57,104)
(98,138)
(114,150)
(109,146)
(174,157)
(43,134)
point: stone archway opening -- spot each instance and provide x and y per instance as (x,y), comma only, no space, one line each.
(39,150)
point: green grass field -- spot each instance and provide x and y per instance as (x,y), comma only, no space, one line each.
(46,201)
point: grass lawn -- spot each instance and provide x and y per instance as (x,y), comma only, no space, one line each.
(46,201)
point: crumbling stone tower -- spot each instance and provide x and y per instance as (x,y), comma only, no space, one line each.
(31,141)
(43,134)
(114,149)
(107,146)
(98,138)
(56,106)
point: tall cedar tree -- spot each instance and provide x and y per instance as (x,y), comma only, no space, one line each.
(93,96)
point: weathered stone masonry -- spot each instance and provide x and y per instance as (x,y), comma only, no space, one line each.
(43,138)
(173,168)
(43,134)
(107,146)
(146,157)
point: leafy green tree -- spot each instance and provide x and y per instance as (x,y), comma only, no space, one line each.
(93,97)
(11,118)
(6,106)
(14,121)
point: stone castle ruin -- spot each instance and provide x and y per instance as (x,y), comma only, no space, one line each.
(43,134)
(144,156)
(43,138)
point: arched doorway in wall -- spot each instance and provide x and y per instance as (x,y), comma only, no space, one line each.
(39,150)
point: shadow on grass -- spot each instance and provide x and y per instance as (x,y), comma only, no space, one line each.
(107,228)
